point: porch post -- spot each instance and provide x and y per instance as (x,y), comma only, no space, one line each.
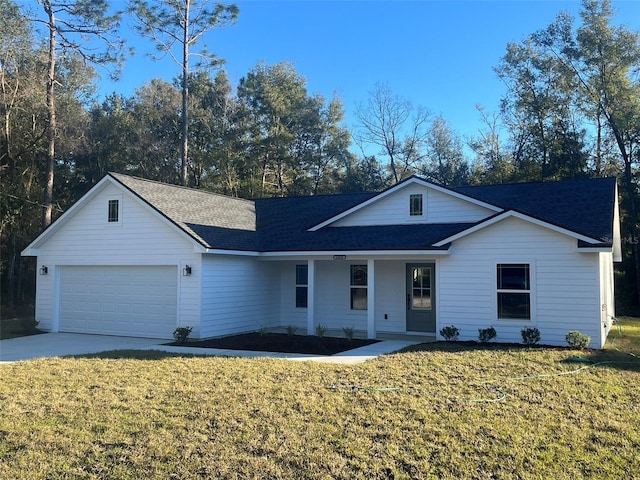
(311,293)
(371,299)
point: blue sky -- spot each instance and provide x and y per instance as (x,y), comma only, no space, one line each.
(438,54)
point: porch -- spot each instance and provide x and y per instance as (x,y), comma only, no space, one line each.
(382,298)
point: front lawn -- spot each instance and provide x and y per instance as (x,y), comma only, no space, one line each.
(438,411)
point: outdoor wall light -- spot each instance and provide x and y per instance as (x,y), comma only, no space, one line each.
(44,270)
(186,271)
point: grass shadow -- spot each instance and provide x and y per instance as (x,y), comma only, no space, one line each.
(137,355)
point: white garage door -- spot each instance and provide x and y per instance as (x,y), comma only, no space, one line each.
(129,301)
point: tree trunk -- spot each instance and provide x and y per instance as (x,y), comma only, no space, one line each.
(51,112)
(185,96)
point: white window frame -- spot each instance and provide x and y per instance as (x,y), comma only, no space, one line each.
(353,286)
(117,198)
(411,197)
(302,285)
(531,291)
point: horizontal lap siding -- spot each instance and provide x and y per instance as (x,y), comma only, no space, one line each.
(239,294)
(140,238)
(565,292)
(391,291)
(333,297)
(437,207)
(290,314)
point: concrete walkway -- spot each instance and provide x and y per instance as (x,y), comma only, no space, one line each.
(64,344)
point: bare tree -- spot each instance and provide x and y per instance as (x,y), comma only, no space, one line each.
(397,127)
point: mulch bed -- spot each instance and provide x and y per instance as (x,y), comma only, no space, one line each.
(280,342)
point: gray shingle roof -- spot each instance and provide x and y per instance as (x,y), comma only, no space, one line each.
(281,224)
(215,221)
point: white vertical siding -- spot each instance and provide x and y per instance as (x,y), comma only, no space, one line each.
(565,283)
(239,294)
(139,238)
(437,207)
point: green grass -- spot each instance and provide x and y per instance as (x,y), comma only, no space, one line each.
(438,411)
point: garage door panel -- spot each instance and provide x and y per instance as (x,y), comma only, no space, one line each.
(131,301)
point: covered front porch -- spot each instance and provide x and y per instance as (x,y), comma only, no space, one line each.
(383,296)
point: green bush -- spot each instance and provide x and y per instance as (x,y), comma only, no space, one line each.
(291,330)
(321,330)
(576,339)
(530,335)
(450,333)
(181,334)
(486,334)
(348,332)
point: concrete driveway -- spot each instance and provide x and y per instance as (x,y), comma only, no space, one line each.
(61,344)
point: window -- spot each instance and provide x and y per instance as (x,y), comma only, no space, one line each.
(112,215)
(415,205)
(302,285)
(514,291)
(358,287)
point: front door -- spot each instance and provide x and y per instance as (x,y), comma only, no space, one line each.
(421,314)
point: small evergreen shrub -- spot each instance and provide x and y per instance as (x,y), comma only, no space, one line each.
(348,332)
(486,334)
(576,339)
(530,336)
(450,333)
(181,334)
(291,330)
(321,330)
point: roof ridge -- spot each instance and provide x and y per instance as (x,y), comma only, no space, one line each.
(190,189)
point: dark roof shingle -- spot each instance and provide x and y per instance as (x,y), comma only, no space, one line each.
(281,224)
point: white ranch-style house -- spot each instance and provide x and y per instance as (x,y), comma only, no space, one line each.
(139,258)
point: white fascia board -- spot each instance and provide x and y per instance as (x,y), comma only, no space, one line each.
(400,186)
(617,241)
(32,249)
(595,249)
(350,255)
(242,253)
(513,214)
(198,247)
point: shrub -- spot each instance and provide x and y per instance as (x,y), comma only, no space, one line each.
(291,330)
(486,334)
(348,332)
(450,333)
(262,331)
(575,339)
(321,330)
(181,334)
(530,336)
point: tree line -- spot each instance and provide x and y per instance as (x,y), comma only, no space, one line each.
(571,109)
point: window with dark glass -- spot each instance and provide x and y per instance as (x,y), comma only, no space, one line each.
(358,287)
(113,211)
(514,291)
(415,204)
(302,285)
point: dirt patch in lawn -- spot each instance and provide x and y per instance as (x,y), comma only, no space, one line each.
(279,342)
